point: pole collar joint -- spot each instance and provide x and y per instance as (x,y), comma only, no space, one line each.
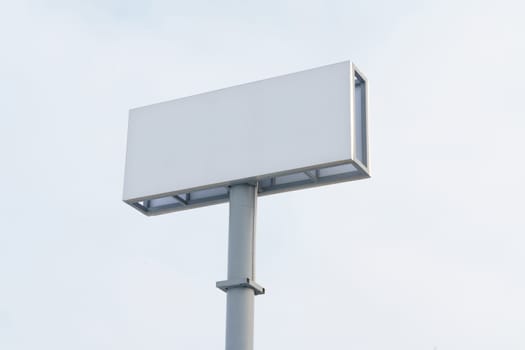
(240,283)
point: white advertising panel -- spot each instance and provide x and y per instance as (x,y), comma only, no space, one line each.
(294,131)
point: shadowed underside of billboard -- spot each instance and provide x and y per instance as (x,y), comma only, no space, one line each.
(285,133)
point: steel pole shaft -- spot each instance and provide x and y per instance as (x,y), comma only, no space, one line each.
(241,254)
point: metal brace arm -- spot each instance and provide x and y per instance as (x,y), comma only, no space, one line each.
(240,283)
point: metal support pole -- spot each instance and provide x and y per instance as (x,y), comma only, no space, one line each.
(240,286)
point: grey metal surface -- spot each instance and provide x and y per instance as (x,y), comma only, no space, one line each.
(296,123)
(304,130)
(241,267)
(311,177)
(360,111)
(240,283)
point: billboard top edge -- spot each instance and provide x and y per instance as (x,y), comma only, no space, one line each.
(347,62)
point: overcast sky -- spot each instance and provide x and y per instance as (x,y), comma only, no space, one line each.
(428,253)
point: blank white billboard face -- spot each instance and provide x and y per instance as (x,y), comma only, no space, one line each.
(294,131)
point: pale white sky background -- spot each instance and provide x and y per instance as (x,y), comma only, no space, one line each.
(428,253)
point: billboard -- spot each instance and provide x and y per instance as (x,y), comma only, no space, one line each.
(285,133)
